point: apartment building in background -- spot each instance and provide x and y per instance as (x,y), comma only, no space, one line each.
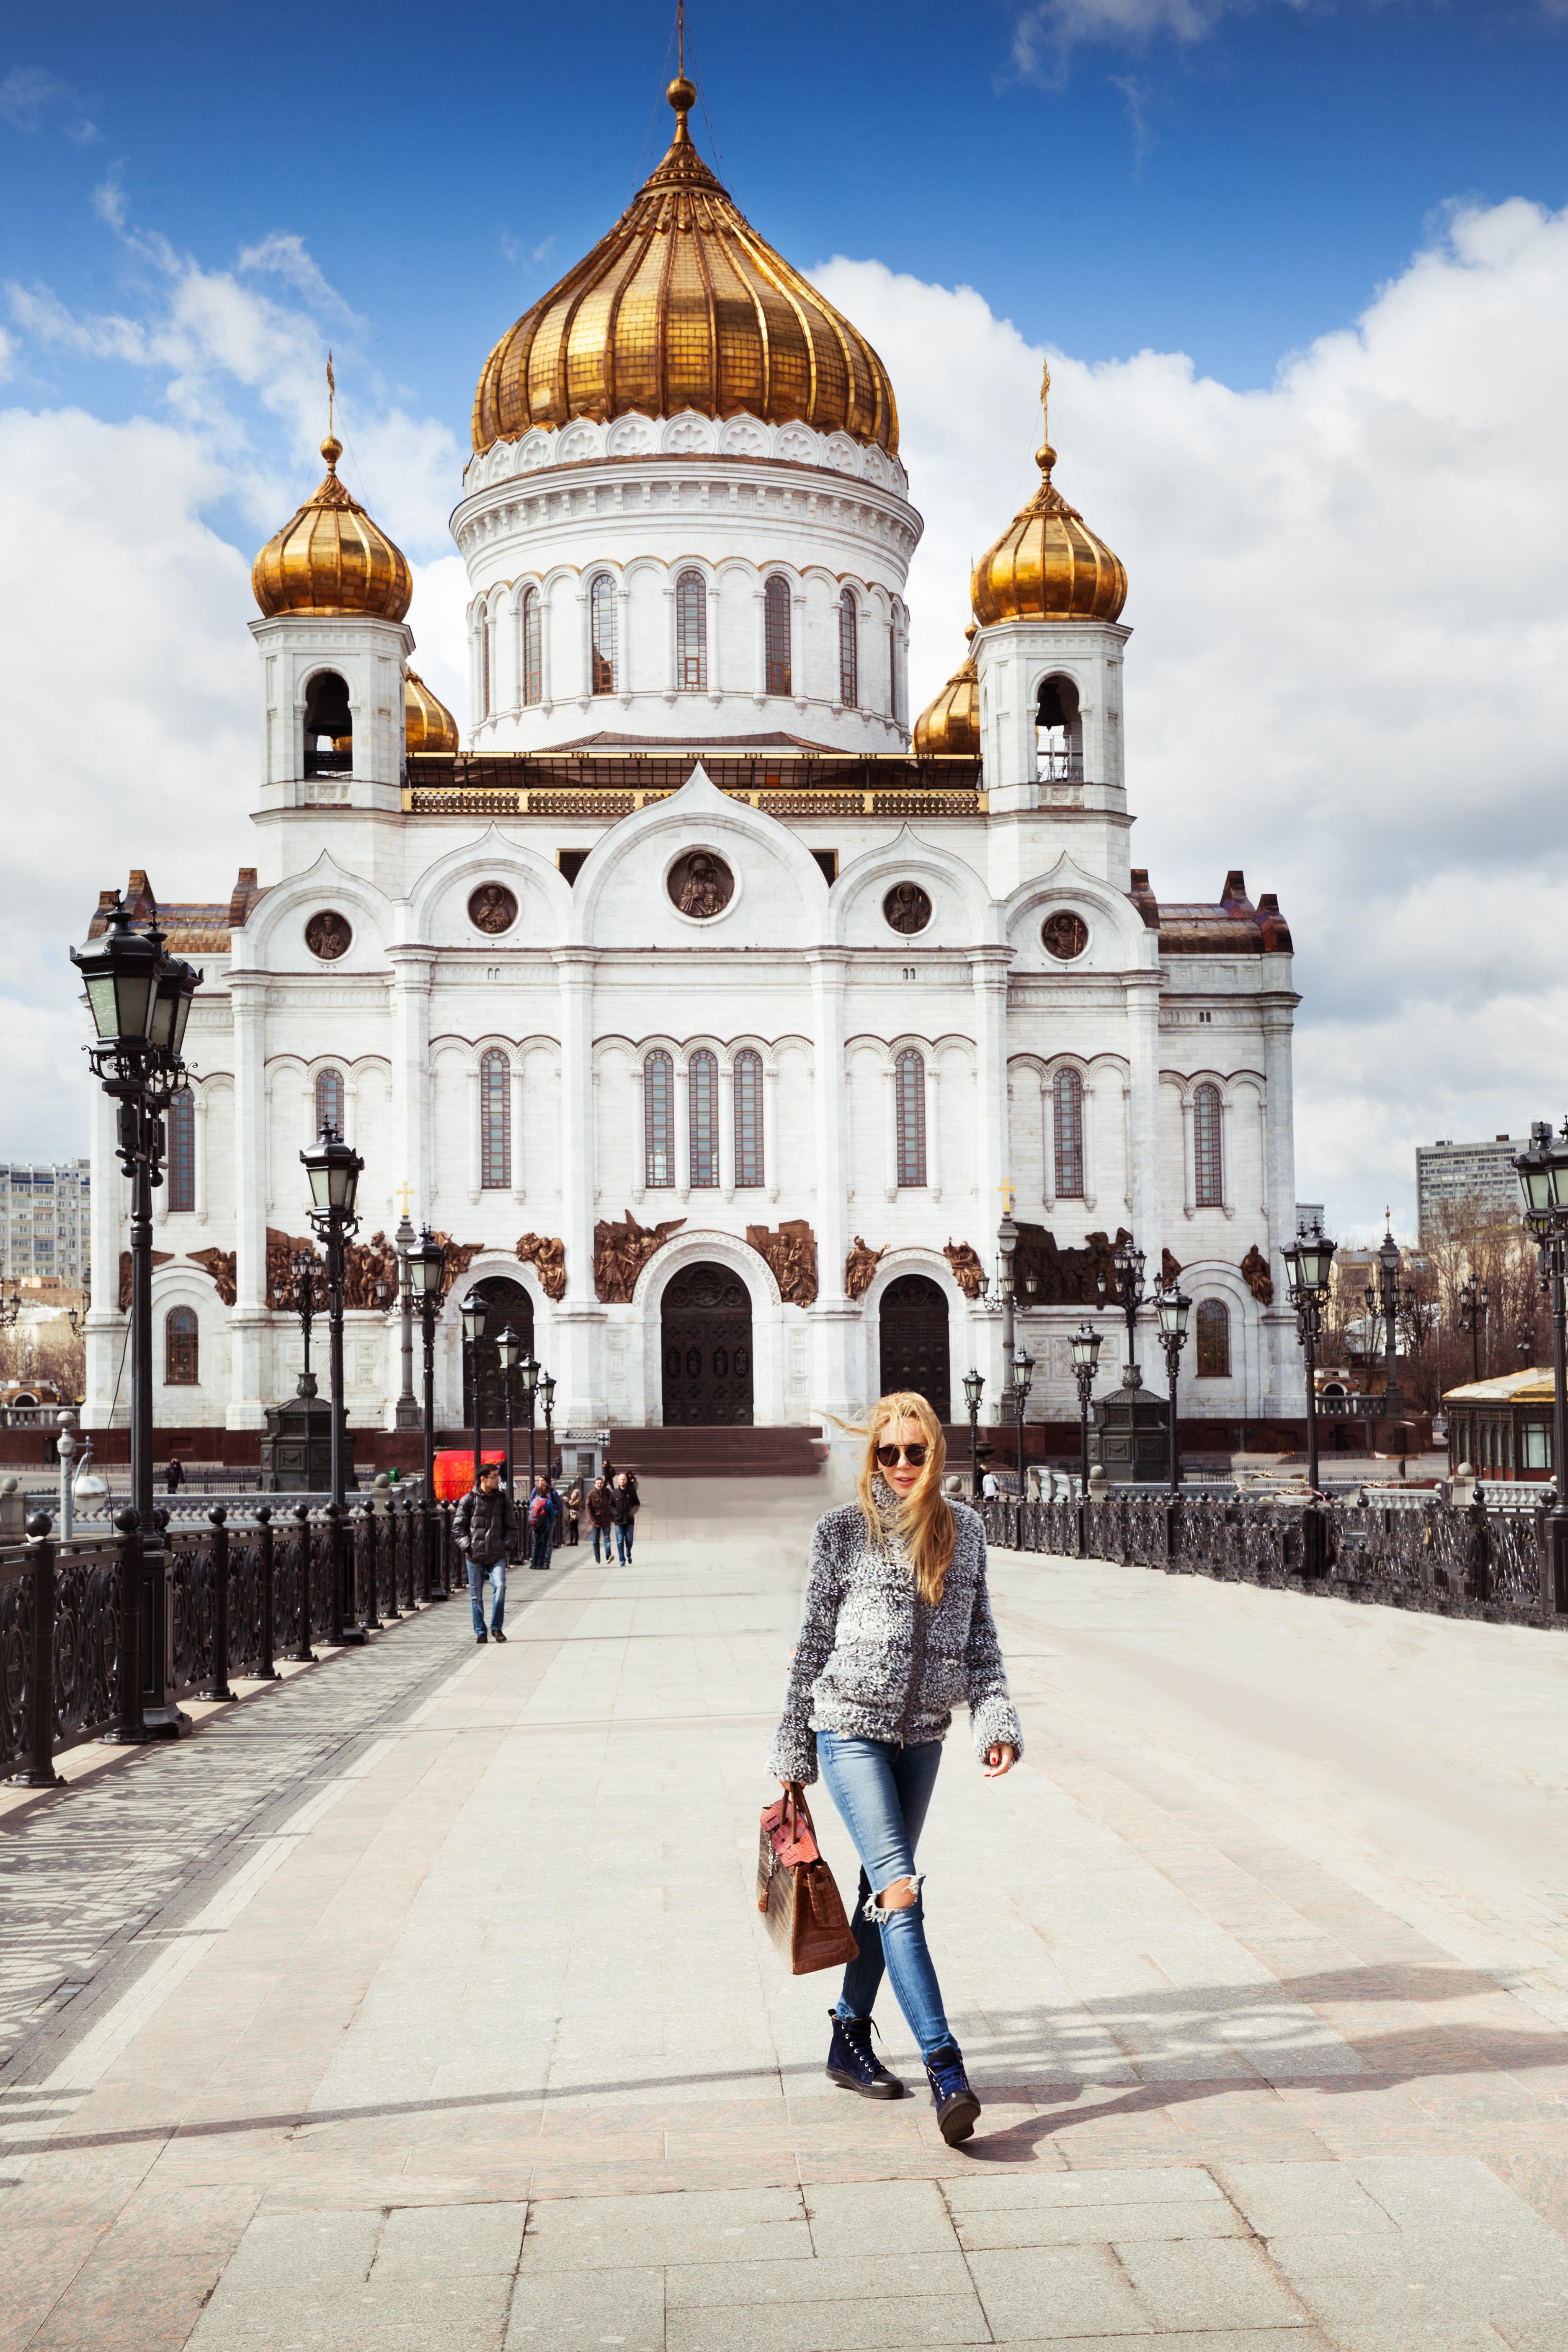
(45,1225)
(1448,1173)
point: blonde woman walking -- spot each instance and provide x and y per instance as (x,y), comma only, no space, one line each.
(898,1627)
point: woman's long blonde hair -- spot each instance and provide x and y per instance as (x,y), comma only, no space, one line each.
(924,1522)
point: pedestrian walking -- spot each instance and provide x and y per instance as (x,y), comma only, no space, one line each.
(602,1517)
(485,1530)
(628,1503)
(988,1487)
(897,1626)
(174,1477)
(539,1523)
(575,1512)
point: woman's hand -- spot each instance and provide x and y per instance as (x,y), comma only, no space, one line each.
(998,1759)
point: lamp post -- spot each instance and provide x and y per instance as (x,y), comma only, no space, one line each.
(1086,1345)
(1126,1294)
(427,1280)
(404,1242)
(1006,1248)
(139,1000)
(974,1388)
(1388,1300)
(303,1267)
(1475,1305)
(529,1378)
(509,1348)
(547,1397)
(475,1312)
(1172,1307)
(334,1168)
(1309,1262)
(1542,1172)
(1023,1370)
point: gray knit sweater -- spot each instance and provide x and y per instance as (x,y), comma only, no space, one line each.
(875,1662)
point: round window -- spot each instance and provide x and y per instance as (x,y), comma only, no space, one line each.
(906,907)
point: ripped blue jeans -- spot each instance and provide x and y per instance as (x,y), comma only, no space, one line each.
(882,1791)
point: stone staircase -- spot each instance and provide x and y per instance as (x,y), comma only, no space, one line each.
(793,1452)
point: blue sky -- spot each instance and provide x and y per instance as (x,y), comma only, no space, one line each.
(1303,271)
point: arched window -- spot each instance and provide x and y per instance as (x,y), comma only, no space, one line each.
(775,622)
(182,1176)
(658,1120)
(1208,1163)
(181,1348)
(532,659)
(909,1113)
(703,1086)
(691,632)
(1067,1108)
(484,665)
(495,1121)
(895,680)
(748,1119)
(328,726)
(602,635)
(848,652)
(1214,1339)
(330,1097)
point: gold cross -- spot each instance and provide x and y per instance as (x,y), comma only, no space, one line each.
(1007,1191)
(405,1193)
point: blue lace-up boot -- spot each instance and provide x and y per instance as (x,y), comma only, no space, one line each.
(853,2064)
(955,2103)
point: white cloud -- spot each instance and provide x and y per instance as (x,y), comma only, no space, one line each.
(1350,670)
(284,256)
(29,96)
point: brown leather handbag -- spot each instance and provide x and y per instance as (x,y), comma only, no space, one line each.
(795,1891)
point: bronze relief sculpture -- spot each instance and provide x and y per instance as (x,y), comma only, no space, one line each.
(548,1255)
(1256,1275)
(966,1266)
(701,885)
(329,935)
(792,1255)
(860,1265)
(620,1253)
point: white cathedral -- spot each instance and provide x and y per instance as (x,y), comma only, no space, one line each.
(714,1021)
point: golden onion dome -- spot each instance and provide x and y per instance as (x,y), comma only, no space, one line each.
(952,723)
(427,724)
(330,558)
(1047,565)
(684,306)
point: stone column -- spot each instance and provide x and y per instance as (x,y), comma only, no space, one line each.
(577,1321)
(248,1319)
(837,1375)
(1282,1358)
(411,1077)
(988,968)
(727,1128)
(1143,991)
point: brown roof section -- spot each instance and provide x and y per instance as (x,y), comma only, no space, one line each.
(1234,927)
(190,928)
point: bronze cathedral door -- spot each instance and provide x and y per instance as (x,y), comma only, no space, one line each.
(913,1321)
(706,1333)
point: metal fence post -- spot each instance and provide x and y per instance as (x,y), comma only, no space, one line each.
(39,1773)
(131,1731)
(368,1614)
(304,1655)
(266,1671)
(218,1572)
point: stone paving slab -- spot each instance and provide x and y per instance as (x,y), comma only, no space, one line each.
(455,2023)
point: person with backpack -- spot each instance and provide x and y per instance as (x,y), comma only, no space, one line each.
(602,1517)
(485,1530)
(628,1503)
(540,1522)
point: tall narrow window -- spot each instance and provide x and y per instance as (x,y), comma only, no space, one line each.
(703,1081)
(1208,1164)
(181,1344)
(1067,1106)
(182,1176)
(691,632)
(1214,1339)
(532,660)
(330,1097)
(748,1119)
(909,1112)
(775,624)
(848,652)
(602,634)
(895,683)
(484,665)
(495,1121)
(658,1119)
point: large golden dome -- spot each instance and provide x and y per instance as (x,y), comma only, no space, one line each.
(330,558)
(683,306)
(427,724)
(1047,565)
(952,723)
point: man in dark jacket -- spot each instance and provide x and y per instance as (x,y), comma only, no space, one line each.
(540,1522)
(602,1517)
(485,1530)
(628,1501)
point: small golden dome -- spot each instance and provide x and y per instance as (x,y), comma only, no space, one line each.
(952,723)
(1047,565)
(683,306)
(427,724)
(330,558)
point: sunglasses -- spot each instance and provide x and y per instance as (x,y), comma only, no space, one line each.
(914,1454)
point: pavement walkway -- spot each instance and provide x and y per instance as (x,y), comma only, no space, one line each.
(460,2029)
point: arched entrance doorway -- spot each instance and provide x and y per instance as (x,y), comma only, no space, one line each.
(509,1302)
(705,1335)
(914,1341)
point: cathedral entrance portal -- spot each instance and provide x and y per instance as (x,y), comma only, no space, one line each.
(706,1337)
(914,1341)
(507,1303)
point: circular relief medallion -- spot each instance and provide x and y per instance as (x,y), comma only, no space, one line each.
(907,908)
(329,935)
(492,909)
(700,883)
(1064,936)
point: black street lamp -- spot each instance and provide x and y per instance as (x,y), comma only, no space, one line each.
(1309,1262)
(973,1389)
(1086,1344)
(1126,1294)
(334,1168)
(1023,1370)
(547,1399)
(1542,1172)
(1172,1307)
(139,1000)
(1475,1305)
(529,1378)
(303,1268)
(509,1348)
(475,1311)
(427,1282)
(1389,1301)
